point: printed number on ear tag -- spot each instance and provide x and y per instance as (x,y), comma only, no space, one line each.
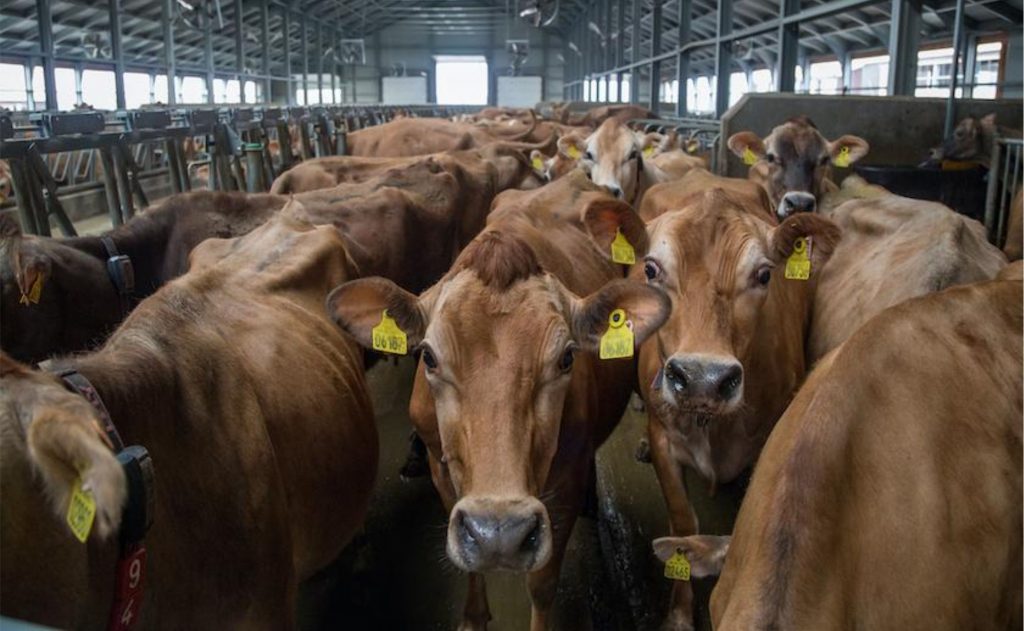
(649,151)
(32,297)
(798,265)
(81,511)
(677,567)
(573,152)
(617,341)
(387,337)
(622,251)
(843,159)
(537,163)
(749,158)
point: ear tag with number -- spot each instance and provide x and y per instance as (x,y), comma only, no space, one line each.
(692,146)
(617,341)
(798,265)
(81,511)
(387,337)
(648,151)
(843,159)
(573,152)
(622,251)
(677,567)
(537,163)
(749,158)
(34,292)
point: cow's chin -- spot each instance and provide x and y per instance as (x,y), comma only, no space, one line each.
(689,415)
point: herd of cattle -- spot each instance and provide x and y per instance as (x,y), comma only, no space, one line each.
(541,272)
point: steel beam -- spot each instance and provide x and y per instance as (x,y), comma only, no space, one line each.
(789,47)
(904,34)
(684,20)
(265,43)
(208,54)
(288,56)
(305,58)
(634,54)
(723,57)
(655,78)
(320,61)
(167,13)
(239,50)
(958,41)
(970,64)
(117,51)
(46,47)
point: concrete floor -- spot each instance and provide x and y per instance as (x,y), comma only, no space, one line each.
(396,576)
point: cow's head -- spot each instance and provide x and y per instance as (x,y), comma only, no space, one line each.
(503,344)
(613,156)
(718,263)
(794,162)
(971,139)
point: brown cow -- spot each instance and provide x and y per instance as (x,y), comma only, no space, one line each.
(793,162)
(78,304)
(596,116)
(419,136)
(256,414)
(1013,248)
(720,372)
(510,396)
(669,196)
(973,140)
(893,249)
(889,494)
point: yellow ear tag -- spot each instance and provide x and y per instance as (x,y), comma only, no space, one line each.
(677,567)
(81,511)
(622,251)
(798,265)
(749,158)
(537,163)
(843,159)
(387,337)
(617,341)
(573,152)
(34,292)
(648,151)
(692,146)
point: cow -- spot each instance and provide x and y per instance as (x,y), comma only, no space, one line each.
(720,372)
(509,395)
(258,422)
(893,249)
(973,140)
(596,116)
(673,195)
(1013,248)
(76,302)
(620,159)
(889,494)
(793,162)
(418,136)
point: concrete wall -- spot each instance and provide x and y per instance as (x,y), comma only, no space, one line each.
(899,129)
(1014,65)
(415,48)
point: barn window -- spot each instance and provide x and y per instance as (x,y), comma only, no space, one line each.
(461,79)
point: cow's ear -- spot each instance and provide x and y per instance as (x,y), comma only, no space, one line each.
(705,553)
(572,146)
(824,237)
(604,218)
(538,161)
(652,144)
(646,309)
(852,147)
(746,141)
(31,267)
(359,306)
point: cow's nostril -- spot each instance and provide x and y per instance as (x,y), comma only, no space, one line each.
(676,375)
(532,539)
(730,382)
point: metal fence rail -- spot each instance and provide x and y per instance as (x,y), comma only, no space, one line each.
(1004,179)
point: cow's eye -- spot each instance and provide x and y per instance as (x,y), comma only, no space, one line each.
(428,359)
(763,275)
(568,357)
(588,155)
(651,270)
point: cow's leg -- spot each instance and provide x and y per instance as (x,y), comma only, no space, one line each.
(476,614)
(682,522)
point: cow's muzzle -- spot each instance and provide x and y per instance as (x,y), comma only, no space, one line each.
(487,534)
(708,383)
(795,202)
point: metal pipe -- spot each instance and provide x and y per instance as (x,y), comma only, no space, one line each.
(45,19)
(958,38)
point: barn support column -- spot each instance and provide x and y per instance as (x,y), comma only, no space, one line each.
(608,58)
(208,54)
(683,58)
(634,55)
(320,61)
(655,103)
(45,15)
(265,28)
(117,51)
(970,64)
(723,57)
(904,34)
(305,59)
(620,49)
(286,15)
(846,63)
(789,46)
(166,13)
(239,50)
(958,41)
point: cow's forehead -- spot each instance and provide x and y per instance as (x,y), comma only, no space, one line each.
(611,137)
(707,230)
(797,139)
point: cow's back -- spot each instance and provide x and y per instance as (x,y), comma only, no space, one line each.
(893,249)
(888,496)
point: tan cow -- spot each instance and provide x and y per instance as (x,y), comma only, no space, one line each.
(257,418)
(720,372)
(510,396)
(793,163)
(973,140)
(893,249)
(625,161)
(889,494)
(1014,246)
(419,136)
(669,196)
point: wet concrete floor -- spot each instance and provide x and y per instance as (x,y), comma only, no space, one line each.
(395,575)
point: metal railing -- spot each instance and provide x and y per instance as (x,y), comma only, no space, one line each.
(706,132)
(1004,178)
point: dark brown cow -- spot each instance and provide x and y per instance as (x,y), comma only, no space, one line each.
(510,396)
(720,372)
(256,414)
(793,162)
(889,494)
(77,304)
(973,140)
